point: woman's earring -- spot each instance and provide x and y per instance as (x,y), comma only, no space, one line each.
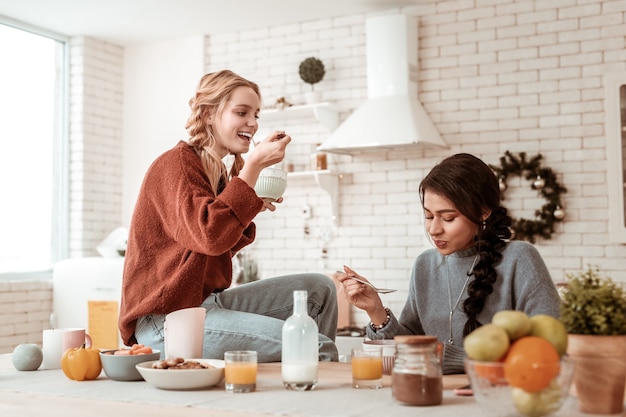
(484,224)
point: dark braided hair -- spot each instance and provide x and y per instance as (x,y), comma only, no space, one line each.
(473,188)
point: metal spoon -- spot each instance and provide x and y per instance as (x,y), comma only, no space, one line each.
(378,290)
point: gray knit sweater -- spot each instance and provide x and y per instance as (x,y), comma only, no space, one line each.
(523,283)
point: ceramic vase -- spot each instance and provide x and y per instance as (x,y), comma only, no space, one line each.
(312,97)
(600,372)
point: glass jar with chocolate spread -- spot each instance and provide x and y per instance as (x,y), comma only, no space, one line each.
(416,378)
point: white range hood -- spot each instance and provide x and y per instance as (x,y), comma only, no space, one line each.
(392,117)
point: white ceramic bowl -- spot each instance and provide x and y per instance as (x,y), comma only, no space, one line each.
(389,352)
(271,184)
(181,379)
(122,367)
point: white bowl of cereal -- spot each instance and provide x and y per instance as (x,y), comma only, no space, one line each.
(182,374)
(271,184)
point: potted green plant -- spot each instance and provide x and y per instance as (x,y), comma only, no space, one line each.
(593,310)
(312,71)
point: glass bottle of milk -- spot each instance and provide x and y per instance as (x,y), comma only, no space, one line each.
(300,347)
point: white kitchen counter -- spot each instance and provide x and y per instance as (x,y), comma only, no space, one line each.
(48,393)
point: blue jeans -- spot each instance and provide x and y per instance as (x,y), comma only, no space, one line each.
(251,317)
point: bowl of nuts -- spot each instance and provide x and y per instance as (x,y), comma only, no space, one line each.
(181,373)
(119,364)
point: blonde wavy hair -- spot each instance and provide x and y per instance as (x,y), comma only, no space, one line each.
(212,93)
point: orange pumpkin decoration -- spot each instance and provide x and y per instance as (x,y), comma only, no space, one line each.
(81,363)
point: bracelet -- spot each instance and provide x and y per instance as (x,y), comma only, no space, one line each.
(376,327)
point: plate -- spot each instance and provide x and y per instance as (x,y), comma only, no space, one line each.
(181,379)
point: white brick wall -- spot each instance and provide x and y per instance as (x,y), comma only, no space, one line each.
(495,75)
(96,98)
(524,76)
(25,308)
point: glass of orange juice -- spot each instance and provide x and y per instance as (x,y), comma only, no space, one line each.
(367,368)
(240,370)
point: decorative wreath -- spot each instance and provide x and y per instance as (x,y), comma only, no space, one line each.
(545,182)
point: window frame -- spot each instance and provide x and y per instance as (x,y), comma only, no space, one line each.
(616,156)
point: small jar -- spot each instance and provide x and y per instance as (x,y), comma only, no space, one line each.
(416,378)
(319,161)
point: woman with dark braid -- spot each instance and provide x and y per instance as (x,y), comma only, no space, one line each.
(472,272)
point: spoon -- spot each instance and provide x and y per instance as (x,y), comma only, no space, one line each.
(378,290)
(279,136)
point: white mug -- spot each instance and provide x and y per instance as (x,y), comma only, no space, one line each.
(57,341)
(184,333)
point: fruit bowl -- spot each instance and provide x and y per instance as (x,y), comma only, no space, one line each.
(497,398)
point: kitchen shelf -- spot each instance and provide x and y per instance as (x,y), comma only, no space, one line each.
(324,113)
(327,181)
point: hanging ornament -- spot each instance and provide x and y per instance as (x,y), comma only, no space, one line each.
(501,183)
(539,183)
(559,213)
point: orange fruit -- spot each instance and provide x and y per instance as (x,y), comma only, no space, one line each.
(531,363)
(491,371)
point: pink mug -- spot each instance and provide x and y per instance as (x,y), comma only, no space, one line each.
(75,338)
(184,333)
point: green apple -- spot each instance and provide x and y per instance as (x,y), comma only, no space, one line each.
(488,343)
(516,323)
(537,404)
(551,329)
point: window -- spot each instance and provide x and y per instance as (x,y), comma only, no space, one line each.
(615,105)
(33,143)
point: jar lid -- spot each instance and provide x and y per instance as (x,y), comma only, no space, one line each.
(415,340)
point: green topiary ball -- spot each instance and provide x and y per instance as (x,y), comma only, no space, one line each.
(312,71)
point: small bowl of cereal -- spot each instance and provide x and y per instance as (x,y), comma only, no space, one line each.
(182,374)
(271,184)
(119,364)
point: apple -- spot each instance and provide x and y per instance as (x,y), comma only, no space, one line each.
(537,404)
(488,343)
(551,329)
(516,323)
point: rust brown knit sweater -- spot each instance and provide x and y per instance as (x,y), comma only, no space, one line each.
(182,238)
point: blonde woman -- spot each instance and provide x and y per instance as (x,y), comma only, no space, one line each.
(192,217)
